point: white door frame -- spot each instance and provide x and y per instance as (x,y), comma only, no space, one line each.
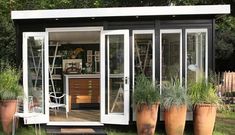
(115,118)
(74,29)
(43,118)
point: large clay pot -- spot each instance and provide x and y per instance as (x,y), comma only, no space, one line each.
(146,119)
(8,109)
(204,119)
(0,109)
(175,120)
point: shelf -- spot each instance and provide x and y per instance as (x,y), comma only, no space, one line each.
(54,45)
(56,77)
(34,56)
(55,56)
(35,67)
(56,67)
(34,77)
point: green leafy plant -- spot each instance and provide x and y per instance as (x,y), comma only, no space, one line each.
(145,92)
(9,83)
(203,92)
(173,94)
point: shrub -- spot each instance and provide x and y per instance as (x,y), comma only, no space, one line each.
(145,92)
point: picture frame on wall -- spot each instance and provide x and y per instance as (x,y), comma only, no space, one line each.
(72,65)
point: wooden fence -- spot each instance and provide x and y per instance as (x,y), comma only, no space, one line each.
(226,87)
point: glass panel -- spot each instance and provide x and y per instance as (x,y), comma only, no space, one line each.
(35,74)
(143,54)
(170,56)
(195,55)
(115,57)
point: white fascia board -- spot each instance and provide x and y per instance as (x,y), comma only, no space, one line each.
(122,12)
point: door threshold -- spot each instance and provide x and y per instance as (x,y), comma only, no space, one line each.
(62,123)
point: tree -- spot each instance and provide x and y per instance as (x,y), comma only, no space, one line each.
(7,33)
(225,43)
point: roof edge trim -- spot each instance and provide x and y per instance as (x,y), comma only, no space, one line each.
(122,12)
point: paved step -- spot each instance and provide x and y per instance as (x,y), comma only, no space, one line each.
(75,131)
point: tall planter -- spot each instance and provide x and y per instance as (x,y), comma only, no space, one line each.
(175,120)
(146,99)
(204,119)
(10,89)
(205,99)
(146,119)
(175,101)
(7,111)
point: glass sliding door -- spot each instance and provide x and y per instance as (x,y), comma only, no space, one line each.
(171,55)
(196,54)
(35,75)
(115,77)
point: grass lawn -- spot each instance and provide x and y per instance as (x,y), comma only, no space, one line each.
(27,130)
(225,125)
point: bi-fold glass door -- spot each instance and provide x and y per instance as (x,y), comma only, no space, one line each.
(35,76)
(115,76)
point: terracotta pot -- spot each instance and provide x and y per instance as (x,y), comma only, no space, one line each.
(175,120)
(146,119)
(0,110)
(8,109)
(204,119)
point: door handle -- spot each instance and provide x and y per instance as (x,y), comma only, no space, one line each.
(126,80)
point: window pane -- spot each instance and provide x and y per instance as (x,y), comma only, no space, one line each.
(115,57)
(196,42)
(170,56)
(35,74)
(143,55)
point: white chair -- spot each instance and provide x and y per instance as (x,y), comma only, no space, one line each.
(56,103)
(21,114)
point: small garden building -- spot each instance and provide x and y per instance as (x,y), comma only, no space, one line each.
(81,63)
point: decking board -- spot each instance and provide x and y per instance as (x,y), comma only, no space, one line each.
(76,116)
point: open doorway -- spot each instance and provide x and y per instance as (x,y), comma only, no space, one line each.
(74,76)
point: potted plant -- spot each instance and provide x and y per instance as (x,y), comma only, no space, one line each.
(146,98)
(175,100)
(10,89)
(203,96)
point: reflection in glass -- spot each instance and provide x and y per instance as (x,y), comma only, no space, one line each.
(35,74)
(170,56)
(143,46)
(115,64)
(196,42)
(116,95)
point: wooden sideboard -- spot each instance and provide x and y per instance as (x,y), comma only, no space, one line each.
(87,88)
(82,88)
